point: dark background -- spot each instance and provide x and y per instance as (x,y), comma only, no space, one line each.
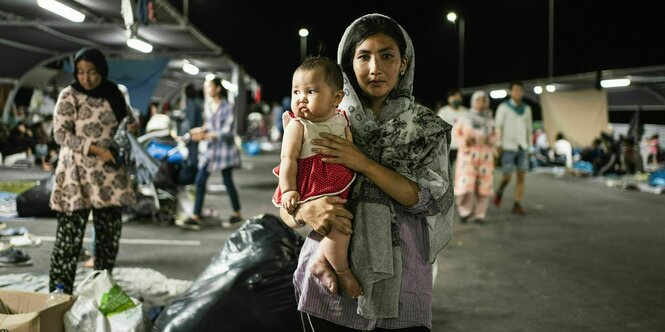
(503,40)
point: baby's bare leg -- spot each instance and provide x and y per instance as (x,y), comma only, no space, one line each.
(321,269)
(335,249)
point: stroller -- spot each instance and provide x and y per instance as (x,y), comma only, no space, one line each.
(158,188)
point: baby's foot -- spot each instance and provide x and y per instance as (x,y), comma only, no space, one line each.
(349,282)
(321,269)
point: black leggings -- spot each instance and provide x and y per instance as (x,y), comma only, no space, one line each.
(315,324)
(69,238)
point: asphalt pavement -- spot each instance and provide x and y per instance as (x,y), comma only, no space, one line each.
(585,257)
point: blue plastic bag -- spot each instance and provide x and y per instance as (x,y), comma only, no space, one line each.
(583,167)
(657,178)
(160,150)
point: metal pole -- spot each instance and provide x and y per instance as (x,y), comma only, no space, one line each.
(460,70)
(550,58)
(303,48)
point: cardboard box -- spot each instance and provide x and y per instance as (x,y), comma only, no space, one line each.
(28,315)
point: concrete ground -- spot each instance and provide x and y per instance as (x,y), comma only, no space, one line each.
(585,257)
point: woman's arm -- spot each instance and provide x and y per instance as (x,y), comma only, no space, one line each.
(64,124)
(64,130)
(343,152)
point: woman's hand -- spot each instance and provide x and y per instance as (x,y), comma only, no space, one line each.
(133,128)
(197,134)
(324,213)
(103,154)
(341,151)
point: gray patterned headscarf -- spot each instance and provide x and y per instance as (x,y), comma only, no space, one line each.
(413,141)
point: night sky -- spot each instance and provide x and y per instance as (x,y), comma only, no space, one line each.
(504,40)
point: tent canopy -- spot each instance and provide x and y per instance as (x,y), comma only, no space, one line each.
(32,39)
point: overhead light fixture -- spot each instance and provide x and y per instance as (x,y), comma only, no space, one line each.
(139,45)
(189,68)
(229,86)
(303,32)
(62,10)
(210,77)
(498,94)
(616,83)
(550,88)
(452,17)
(538,89)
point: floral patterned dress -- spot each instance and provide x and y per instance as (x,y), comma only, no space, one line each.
(82,181)
(476,139)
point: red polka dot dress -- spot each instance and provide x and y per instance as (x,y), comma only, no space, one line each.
(316,178)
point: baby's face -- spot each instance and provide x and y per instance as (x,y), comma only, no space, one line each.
(311,97)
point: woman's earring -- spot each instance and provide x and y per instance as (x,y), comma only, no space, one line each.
(401,73)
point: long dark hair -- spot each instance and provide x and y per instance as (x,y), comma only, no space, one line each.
(365,27)
(218,83)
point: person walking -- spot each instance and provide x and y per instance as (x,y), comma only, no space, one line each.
(221,154)
(401,202)
(88,176)
(514,122)
(451,114)
(476,139)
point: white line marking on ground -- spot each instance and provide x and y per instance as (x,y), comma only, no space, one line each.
(139,241)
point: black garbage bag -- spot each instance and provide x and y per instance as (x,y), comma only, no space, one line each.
(34,202)
(246,287)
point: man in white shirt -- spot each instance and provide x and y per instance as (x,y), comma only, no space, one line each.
(451,113)
(513,120)
(563,151)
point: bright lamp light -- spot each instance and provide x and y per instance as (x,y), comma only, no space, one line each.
(538,89)
(190,68)
(615,83)
(229,86)
(452,17)
(139,45)
(62,10)
(498,94)
(303,32)
(550,88)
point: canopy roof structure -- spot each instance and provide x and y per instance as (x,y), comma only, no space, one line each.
(32,38)
(646,91)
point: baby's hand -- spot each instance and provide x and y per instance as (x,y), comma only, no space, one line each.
(290,200)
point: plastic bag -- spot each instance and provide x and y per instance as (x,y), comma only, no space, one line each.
(246,287)
(115,301)
(159,151)
(85,316)
(657,178)
(34,202)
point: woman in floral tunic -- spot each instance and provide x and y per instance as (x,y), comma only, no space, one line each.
(476,139)
(86,116)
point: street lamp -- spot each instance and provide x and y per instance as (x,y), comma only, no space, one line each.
(303,43)
(453,18)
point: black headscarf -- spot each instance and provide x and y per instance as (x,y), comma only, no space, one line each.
(106,89)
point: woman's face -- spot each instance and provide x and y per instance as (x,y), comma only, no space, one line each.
(212,89)
(87,75)
(377,63)
(480,103)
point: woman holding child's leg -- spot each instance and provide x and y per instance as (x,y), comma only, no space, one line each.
(400,208)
